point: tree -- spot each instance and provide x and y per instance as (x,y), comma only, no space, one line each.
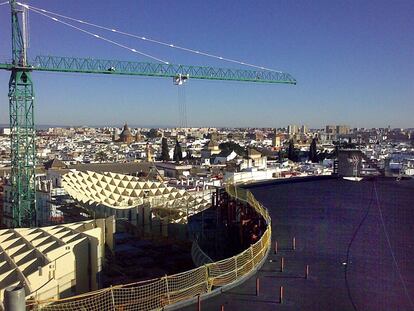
(313,156)
(101,156)
(153,133)
(291,151)
(280,156)
(178,154)
(189,155)
(165,155)
(230,146)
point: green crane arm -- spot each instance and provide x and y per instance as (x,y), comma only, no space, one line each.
(101,66)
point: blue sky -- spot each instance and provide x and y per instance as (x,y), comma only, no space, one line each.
(353,61)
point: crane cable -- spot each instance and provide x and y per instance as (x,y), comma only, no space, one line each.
(348,250)
(170,45)
(391,251)
(182,106)
(374,189)
(95,35)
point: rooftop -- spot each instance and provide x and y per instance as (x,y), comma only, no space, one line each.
(29,256)
(323,215)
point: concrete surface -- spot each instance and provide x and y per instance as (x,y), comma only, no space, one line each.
(323,216)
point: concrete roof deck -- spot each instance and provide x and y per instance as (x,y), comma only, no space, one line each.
(323,216)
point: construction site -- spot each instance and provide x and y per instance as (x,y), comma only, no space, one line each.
(164,231)
(134,221)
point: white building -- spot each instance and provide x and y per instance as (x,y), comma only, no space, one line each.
(57,261)
(292,129)
(5,131)
(225,156)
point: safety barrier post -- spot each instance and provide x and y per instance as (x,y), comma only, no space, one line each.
(281,294)
(282,264)
(168,290)
(235,264)
(275,247)
(222,308)
(307,272)
(209,286)
(199,302)
(294,243)
(112,298)
(257,286)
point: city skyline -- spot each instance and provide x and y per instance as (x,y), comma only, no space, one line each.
(156,154)
(140,126)
(351,60)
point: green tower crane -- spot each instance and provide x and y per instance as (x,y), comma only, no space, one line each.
(21,101)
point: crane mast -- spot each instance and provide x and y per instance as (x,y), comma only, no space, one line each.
(22,128)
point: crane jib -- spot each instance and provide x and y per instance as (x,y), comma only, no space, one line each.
(102,66)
